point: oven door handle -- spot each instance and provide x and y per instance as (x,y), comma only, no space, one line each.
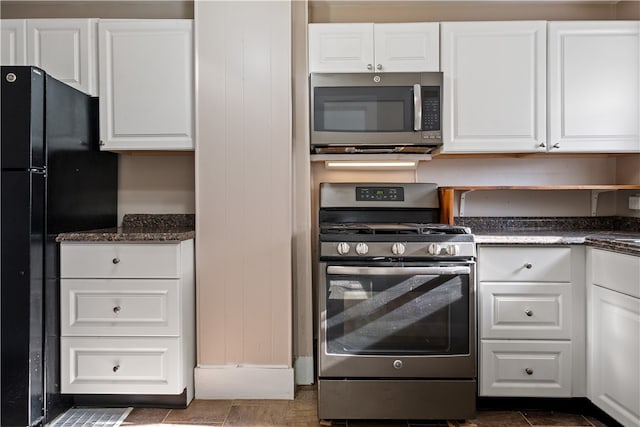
(380,271)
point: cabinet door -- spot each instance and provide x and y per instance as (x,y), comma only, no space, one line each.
(407,47)
(66,49)
(614,351)
(594,88)
(13,50)
(494,86)
(146,84)
(341,48)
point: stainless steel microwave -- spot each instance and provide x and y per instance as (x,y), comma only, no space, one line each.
(383,112)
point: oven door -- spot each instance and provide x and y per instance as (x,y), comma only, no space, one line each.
(397,320)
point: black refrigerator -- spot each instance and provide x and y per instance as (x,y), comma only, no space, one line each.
(54,179)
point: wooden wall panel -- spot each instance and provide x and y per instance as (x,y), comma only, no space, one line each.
(243,183)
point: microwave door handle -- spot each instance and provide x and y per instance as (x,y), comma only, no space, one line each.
(417,107)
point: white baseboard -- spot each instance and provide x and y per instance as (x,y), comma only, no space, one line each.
(244,382)
(303,368)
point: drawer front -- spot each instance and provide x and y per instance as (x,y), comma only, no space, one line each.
(120,260)
(525,368)
(525,310)
(107,307)
(524,264)
(618,272)
(121,365)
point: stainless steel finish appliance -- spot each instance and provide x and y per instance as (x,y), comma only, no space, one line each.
(396,306)
(362,113)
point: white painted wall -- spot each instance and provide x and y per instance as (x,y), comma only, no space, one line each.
(156,183)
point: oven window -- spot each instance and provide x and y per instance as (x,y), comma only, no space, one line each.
(394,314)
(363,109)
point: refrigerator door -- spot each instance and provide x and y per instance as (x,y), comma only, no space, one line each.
(22,253)
(22,106)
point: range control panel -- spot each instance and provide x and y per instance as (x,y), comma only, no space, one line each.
(391,194)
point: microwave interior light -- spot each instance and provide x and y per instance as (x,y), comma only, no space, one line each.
(368,164)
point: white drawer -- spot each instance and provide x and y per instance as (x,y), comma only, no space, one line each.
(618,272)
(121,366)
(525,310)
(120,260)
(525,368)
(525,264)
(109,307)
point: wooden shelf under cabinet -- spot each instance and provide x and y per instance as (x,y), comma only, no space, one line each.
(447,194)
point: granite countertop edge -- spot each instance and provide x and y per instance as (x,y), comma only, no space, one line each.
(139,228)
(127,235)
(606,240)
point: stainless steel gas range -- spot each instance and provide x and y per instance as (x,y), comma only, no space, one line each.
(396,306)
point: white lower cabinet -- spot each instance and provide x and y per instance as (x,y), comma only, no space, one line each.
(127,318)
(614,335)
(531,321)
(526,368)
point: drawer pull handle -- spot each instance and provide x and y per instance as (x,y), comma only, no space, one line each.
(116,368)
(116,309)
(528,312)
(529,371)
(115,260)
(528,266)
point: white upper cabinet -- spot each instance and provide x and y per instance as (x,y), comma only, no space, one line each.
(494,86)
(367,47)
(594,86)
(13,47)
(146,84)
(66,49)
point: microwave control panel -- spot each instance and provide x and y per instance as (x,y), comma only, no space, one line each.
(430,108)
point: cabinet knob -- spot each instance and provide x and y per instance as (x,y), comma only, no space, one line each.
(542,145)
(116,309)
(528,266)
(115,260)
(101,143)
(556,145)
(379,67)
(529,371)
(369,67)
(528,312)
(116,368)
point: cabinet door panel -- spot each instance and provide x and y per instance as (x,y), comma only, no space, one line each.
(107,307)
(524,264)
(614,351)
(495,79)
(340,48)
(594,86)
(525,368)
(146,84)
(407,47)
(13,47)
(526,310)
(66,49)
(121,365)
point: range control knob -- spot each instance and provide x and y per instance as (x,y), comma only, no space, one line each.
(453,250)
(434,249)
(362,248)
(397,249)
(343,248)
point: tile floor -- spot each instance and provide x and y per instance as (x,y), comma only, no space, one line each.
(302,412)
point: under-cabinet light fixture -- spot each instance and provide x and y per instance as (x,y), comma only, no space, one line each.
(372,165)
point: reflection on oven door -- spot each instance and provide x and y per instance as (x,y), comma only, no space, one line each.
(414,314)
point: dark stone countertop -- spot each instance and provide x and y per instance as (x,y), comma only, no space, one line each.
(140,228)
(609,233)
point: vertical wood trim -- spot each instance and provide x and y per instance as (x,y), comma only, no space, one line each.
(446,205)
